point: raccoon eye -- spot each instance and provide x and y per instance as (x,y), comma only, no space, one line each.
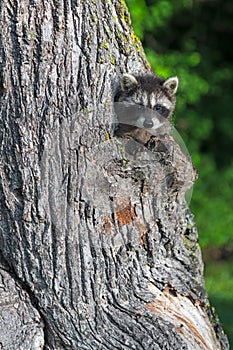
(158,107)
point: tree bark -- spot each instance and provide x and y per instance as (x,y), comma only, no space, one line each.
(98,249)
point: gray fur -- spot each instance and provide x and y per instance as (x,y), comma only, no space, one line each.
(143,102)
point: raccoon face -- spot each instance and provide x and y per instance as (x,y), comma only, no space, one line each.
(145,99)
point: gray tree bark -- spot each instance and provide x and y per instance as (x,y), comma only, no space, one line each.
(98,249)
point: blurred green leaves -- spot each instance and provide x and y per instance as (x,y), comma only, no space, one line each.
(219,283)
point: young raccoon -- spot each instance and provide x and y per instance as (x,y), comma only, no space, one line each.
(143,102)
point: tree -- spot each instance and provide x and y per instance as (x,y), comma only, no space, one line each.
(98,249)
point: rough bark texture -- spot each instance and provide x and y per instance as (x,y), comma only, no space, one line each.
(98,249)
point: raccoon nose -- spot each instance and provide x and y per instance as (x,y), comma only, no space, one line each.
(148,124)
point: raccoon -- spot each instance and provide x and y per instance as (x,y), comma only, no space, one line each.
(143,103)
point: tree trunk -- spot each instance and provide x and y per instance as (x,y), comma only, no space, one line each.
(98,248)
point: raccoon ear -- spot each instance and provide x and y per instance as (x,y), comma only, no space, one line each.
(128,82)
(171,84)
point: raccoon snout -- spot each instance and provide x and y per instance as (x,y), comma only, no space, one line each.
(148,124)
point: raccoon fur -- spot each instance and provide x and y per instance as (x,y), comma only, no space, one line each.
(143,104)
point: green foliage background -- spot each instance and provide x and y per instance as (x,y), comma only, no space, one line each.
(193,40)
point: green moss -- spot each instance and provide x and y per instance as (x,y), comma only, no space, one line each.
(107,137)
(120,36)
(104,45)
(123,42)
(124,13)
(100,60)
(124,163)
(136,42)
(190,245)
(125,18)
(112,59)
(120,148)
(107,31)
(94,18)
